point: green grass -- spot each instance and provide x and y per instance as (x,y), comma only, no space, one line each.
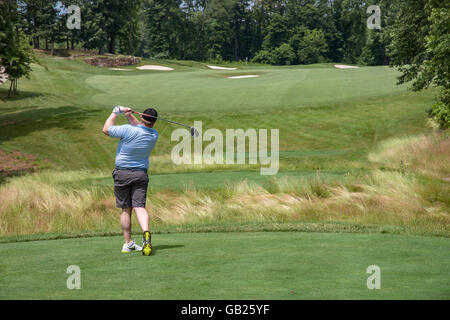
(270,265)
(361,177)
(331,122)
(336,115)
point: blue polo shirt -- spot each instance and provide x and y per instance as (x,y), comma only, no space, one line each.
(135,145)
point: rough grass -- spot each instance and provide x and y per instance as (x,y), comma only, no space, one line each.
(59,115)
(426,154)
(415,198)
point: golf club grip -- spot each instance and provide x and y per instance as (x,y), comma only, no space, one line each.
(174,122)
(142,114)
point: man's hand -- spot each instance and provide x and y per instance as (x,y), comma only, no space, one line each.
(120,110)
(131,119)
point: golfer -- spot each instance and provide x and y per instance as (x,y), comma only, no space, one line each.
(137,140)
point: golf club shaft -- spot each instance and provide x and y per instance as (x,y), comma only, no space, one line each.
(147,115)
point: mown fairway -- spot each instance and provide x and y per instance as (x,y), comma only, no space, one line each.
(326,116)
(267,265)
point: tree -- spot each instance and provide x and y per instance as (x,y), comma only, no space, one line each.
(438,67)
(351,23)
(283,55)
(103,23)
(164,27)
(263,56)
(312,47)
(420,49)
(30,10)
(373,52)
(15,52)
(93,35)
(277,32)
(129,35)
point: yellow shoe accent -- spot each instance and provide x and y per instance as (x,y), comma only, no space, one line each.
(147,250)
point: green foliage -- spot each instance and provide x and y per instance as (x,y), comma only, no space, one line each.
(283,55)
(204,30)
(407,49)
(264,57)
(420,49)
(277,32)
(313,47)
(352,25)
(441,110)
(15,52)
(164,24)
(438,47)
(373,52)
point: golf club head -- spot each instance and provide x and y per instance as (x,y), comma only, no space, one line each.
(194,132)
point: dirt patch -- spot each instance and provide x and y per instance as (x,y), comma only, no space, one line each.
(15,162)
(111,62)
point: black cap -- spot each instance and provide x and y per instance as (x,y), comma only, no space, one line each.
(151,112)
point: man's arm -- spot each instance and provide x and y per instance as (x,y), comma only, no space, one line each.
(112,118)
(109,122)
(131,119)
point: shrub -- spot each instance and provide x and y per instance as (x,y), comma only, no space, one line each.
(161,55)
(283,55)
(313,47)
(264,57)
(440,111)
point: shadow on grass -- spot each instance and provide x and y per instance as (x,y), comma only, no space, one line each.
(25,122)
(164,247)
(5,176)
(20,96)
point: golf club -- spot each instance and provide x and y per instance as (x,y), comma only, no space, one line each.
(194,132)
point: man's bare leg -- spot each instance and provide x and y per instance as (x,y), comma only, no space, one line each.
(125,222)
(142,216)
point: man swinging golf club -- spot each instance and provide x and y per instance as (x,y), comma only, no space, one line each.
(137,140)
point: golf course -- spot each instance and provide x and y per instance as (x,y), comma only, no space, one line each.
(363,180)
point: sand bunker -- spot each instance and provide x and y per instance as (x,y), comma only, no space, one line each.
(221,68)
(151,67)
(341,66)
(119,69)
(244,77)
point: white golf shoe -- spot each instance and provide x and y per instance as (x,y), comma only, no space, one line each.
(131,247)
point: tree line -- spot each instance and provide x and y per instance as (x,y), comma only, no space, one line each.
(265,31)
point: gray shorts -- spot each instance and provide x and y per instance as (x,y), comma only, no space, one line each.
(130,188)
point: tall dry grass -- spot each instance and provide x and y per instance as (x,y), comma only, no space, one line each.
(42,202)
(408,190)
(382,198)
(429,155)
